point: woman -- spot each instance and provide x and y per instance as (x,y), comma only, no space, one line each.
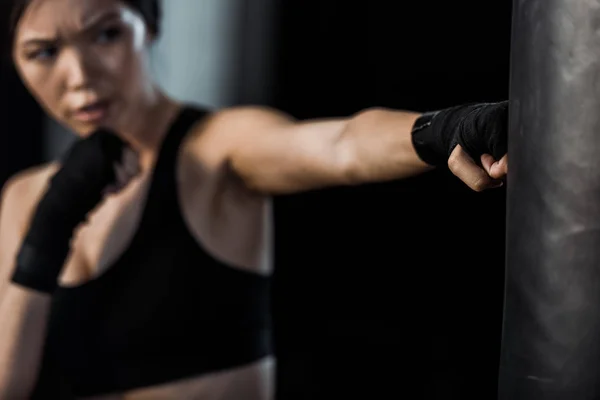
(139,266)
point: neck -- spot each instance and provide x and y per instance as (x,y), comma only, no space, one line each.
(148,126)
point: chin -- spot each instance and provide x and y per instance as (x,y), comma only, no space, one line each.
(83,130)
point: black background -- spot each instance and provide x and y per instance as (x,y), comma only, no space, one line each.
(390,290)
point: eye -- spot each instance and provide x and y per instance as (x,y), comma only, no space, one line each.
(43,54)
(109,35)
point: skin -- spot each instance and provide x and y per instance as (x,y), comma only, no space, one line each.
(71,53)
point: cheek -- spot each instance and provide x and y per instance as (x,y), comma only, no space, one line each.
(126,64)
(42,86)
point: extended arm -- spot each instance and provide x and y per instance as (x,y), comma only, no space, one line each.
(278,155)
(275,154)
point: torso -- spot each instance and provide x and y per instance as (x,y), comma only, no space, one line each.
(232,224)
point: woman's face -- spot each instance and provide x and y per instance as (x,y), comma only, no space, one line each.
(83,60)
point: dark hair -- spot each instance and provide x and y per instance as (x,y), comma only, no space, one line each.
(149,9)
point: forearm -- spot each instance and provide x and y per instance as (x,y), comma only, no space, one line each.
(378,146)
(24,315)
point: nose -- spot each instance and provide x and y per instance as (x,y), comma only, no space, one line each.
(79,69)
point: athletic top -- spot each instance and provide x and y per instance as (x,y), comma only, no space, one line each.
(165,310)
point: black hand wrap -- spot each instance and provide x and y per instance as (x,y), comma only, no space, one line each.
(74,191)
(478,128)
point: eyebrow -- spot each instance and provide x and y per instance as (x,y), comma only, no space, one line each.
(95,20)
(88,25)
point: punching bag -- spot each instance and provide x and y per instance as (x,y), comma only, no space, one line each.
(551,329)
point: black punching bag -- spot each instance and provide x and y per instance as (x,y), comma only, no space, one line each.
(551,332)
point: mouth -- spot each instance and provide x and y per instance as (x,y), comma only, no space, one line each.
(92,112)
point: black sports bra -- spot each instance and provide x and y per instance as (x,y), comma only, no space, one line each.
(166,310)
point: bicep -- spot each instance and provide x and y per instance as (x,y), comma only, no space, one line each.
(276,154)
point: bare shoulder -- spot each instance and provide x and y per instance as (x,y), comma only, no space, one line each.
(227,127)
(251,114)
(27,186)
(211,142)
(21,193)
(239,117)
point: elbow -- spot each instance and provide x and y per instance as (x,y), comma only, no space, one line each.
(352,147)
(347,164)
